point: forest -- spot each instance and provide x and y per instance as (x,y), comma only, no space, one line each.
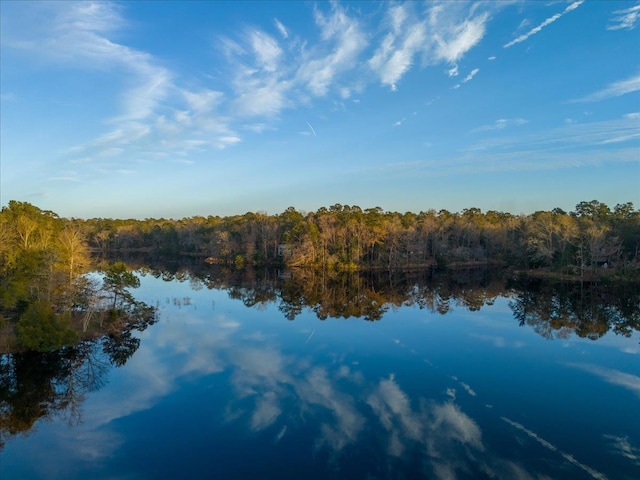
(590,239)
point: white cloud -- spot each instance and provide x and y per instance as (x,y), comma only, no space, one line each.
(468,78)
(276,77)
(565,147)
(615,377)
(472,74)
(266,50)
(632,115)
(395,55)
(226,141)
(266,412)
(157,117)
(623,447)
(594,473)
(344,39)
(230,48)
(78,35)
(316,389)
(111,152)
(69,177)
(281,28)
(623,138)
(468,389)
(204,101)
(273,378)
(501,124)
(547,22)
(456,425)
(453,41)
(258,127)
(615,89)
(625,19)
(141,101)
(444,33)
(266,99)
(391,406)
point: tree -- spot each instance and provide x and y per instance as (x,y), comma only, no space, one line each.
(117,280)
(74,252)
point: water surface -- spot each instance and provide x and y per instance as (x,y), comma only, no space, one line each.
(471,384)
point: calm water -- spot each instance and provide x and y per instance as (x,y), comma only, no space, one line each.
(217,389)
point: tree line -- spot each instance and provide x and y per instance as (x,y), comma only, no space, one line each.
(342,237)
(593,237)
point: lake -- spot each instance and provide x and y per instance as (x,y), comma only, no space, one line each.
(275,376)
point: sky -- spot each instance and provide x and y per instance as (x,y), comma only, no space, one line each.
(175,109)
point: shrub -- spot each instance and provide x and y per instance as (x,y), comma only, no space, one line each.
(41,330)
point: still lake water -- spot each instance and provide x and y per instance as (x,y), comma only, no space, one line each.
(217,389)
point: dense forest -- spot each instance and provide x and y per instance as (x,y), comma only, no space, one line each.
(592,238)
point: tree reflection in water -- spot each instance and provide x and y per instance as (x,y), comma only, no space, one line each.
(551,308)
(589,310)
(41,385)
(37,386)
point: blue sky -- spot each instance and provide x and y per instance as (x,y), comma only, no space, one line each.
(174,109)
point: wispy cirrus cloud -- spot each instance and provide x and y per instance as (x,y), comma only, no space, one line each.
(501,124)
(393,409)
(570,458)
(568,146)
(624,19)
(266,49)
(156,117)
(454,36)
(394,57)
(583,135)
(443,33)
(281,28)
(270,76)
(615,89)
(547,22)
(345,40)
(468,78)
(615,377)
(79,34)
(163,114)
(623,447)
(66,177)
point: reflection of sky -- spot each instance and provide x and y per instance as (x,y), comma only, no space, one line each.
(345,398)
